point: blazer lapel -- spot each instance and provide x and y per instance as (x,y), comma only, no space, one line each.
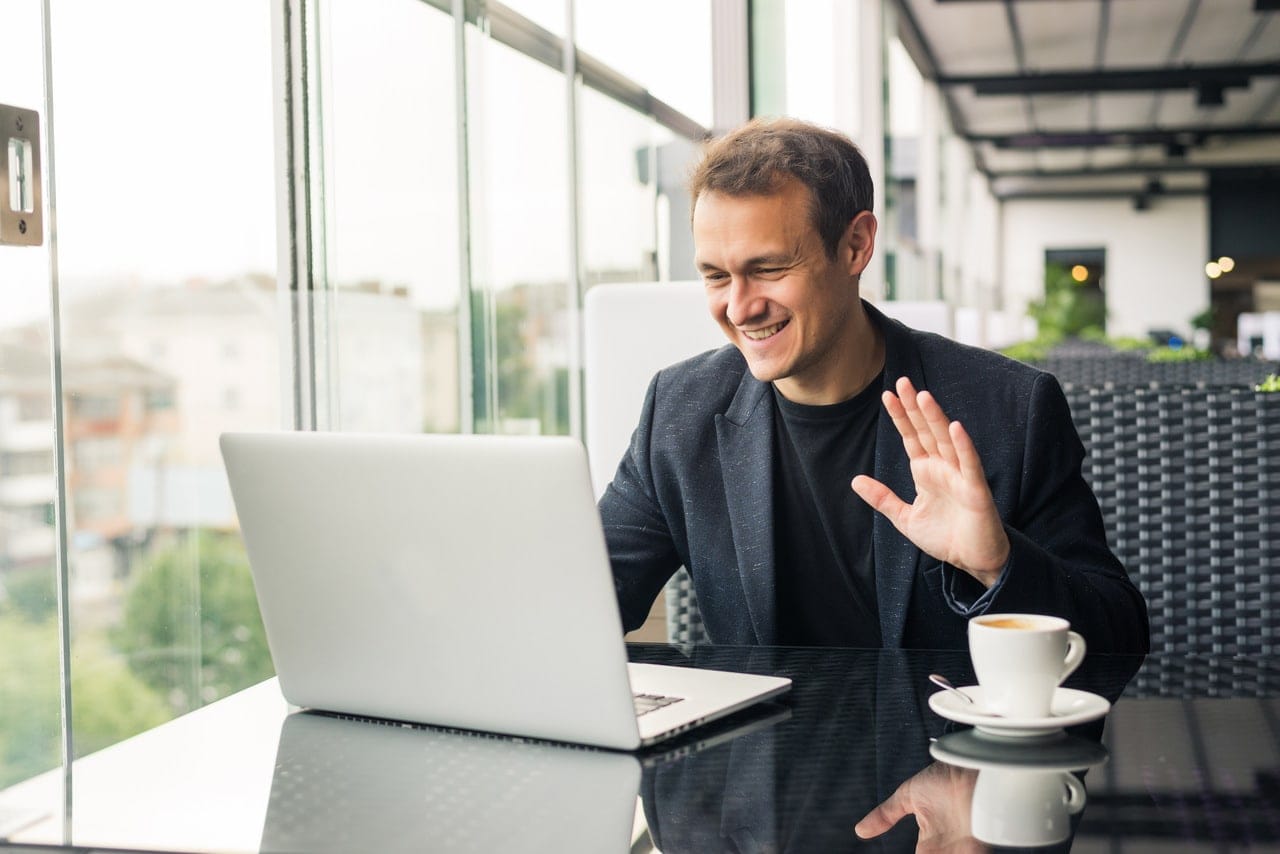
(895,557)
(745,435)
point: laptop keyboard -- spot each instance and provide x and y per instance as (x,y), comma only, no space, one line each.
(646,703)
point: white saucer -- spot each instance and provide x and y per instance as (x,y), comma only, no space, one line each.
(1068,708)
(972,749)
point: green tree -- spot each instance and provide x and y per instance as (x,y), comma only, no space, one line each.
(109,703)
(191,628)
(31,592)
(30,709)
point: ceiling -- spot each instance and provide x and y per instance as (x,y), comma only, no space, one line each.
(1104,97)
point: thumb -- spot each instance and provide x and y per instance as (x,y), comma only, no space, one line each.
(881,498)
(882,817)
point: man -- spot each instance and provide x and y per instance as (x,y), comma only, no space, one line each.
(808,476)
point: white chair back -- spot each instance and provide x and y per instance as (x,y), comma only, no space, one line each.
(630,332)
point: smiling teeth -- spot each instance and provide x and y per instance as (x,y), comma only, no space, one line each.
(761,334)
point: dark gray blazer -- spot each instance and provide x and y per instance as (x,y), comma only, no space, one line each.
(695,488)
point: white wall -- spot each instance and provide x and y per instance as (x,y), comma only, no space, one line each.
(1155,258)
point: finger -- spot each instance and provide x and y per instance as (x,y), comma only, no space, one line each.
(882,817)
(907,394)
(907,430)
(882,499)
(938,423)
(967,454)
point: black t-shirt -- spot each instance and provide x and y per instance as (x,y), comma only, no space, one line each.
(825,570)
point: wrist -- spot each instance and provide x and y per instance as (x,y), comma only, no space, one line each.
(988,572)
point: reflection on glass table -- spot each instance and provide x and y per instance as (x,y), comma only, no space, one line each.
(852,759)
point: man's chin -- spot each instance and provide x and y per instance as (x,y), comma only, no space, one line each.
(765,372)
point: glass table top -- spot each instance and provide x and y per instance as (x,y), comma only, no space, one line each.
(853,758)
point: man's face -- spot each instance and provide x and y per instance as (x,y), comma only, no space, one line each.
(770,285)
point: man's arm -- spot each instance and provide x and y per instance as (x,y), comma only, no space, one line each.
(1057,560)
(641,550)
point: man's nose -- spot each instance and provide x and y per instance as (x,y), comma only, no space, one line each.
(745,301)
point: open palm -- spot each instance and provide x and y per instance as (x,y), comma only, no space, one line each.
(954,517)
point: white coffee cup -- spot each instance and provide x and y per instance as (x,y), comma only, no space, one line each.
(1024,807)
(1020,659)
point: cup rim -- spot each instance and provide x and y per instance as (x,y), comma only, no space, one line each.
(1050,622)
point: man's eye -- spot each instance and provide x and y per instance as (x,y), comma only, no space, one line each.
(714,278)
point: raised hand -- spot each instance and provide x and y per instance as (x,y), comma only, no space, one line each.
(954,517)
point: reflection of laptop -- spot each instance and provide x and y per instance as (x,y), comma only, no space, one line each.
(459,581)
(342,785)
(354,786)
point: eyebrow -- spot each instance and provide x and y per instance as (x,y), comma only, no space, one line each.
(777,260)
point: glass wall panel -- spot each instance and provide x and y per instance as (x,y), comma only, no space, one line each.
(30,723)
(909,159)
(520,247)
(618,161)
(664,45)
(392,220)
(171,335)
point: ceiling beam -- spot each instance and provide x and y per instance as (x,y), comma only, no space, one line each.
(1140,169)
(1186,135)
(1127,80)
(1109,193)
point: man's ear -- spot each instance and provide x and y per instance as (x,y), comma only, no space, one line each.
(859,242)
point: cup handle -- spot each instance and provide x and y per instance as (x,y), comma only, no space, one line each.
(1075,655)
(1076,795)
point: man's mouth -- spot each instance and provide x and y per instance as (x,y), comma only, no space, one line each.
(767,332)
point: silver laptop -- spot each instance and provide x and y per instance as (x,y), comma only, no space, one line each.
(457,581)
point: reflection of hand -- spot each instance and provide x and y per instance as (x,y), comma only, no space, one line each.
(954,517)
(940,797)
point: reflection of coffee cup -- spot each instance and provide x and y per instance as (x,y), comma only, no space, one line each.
(1020,659)
(1024,807)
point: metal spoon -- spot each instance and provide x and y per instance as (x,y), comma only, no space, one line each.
(943,682)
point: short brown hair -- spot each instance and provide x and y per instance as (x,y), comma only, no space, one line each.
(758,157)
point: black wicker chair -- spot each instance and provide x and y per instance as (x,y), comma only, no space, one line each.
(1188,479)
(1133,369)
(684,620)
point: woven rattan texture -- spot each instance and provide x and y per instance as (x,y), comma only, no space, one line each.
(684,620)
(1188,480)
(1134,369)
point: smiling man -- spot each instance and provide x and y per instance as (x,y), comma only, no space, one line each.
(808,476)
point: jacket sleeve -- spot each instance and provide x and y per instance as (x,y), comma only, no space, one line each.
(1059,561)
(641,550)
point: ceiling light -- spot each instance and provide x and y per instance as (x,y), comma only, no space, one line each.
(1079,272)
(1226,263)
(1212,270)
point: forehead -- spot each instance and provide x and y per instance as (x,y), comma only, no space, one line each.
(723,222)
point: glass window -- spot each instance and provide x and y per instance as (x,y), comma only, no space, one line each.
(664,45)
(166,251)
(393,214)
(519,183)
(30,722)
(617,159)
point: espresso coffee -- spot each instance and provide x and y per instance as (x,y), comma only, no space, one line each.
(1009,623)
